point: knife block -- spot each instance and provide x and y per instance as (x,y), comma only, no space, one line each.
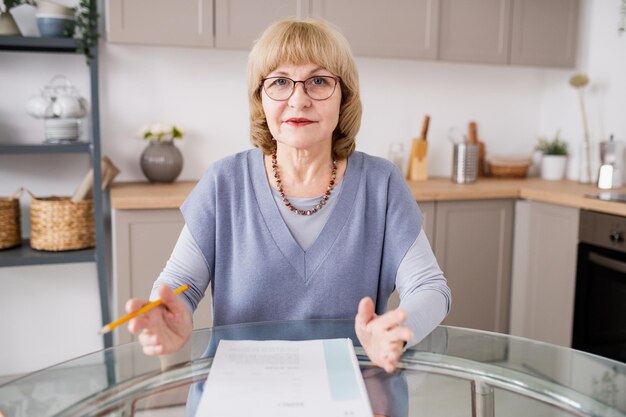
(418,170)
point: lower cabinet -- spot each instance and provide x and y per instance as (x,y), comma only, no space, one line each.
(142,243)
(473,244)
(472,241)
(544,273)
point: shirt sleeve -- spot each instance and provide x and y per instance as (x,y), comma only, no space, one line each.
(186,265)
(424,292)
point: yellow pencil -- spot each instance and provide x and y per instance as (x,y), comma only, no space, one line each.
(142,310)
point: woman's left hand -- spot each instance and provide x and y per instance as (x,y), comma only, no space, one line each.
(383,337)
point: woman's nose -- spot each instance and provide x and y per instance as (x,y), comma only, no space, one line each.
(299,97)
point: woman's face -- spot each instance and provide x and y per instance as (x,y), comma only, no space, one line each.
(301,122)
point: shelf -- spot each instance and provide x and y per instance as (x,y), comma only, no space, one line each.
(45,148)
(36,44)
(24,255)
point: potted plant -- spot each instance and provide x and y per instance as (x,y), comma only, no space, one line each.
(161,161)
(554,159)
(7,23)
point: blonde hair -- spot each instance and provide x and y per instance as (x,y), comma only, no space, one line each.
(296,42)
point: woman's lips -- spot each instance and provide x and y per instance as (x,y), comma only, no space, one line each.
(298,121)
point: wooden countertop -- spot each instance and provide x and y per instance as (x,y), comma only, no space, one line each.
(143,195)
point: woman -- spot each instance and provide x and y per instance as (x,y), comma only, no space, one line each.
(304,226)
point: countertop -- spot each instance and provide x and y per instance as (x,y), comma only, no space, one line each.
(143,195)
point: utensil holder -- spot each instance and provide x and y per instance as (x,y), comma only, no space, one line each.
(465,163)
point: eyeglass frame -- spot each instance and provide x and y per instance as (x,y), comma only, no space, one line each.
(293,89)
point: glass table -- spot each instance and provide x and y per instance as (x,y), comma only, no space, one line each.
(453,372)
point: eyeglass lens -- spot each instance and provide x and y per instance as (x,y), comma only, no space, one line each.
(318,88)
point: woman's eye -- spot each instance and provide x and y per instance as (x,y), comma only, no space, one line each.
(319,81)
(280,82)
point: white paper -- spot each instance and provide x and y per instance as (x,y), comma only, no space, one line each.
(285,379)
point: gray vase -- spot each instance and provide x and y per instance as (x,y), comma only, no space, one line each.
(161,162)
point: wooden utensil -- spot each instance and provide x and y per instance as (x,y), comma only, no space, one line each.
(418,163)
(473,139)
(108,172)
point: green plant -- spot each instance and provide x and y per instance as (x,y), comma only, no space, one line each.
(7,5)
(555,146)
(87,28)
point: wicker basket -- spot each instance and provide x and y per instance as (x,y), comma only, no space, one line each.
(58,224)
(508,171)
(9,222)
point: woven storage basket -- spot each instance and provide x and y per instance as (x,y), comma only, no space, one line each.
(510,171)
(58,224)
(9,222)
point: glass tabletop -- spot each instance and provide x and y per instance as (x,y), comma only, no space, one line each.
(452,372)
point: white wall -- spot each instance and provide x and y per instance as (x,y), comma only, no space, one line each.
(205,90)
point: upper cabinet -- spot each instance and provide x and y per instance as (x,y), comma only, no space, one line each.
(238,23)
(475,30)
(544,32)
(395,28)
(520,32)
(160,22)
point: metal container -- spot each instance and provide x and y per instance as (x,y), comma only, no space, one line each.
(465,163)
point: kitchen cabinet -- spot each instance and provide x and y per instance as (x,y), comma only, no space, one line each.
(518,32)
(473,244)
(395,28)
(142,243)
(23,255)
(544,32)
(160,22)
(238,23)
(472,241)
(474,30)
(544,273)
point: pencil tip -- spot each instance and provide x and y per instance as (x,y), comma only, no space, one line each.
(104,330)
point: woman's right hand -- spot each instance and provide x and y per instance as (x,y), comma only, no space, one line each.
(164,329)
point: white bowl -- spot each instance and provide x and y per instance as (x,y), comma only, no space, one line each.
(53,8)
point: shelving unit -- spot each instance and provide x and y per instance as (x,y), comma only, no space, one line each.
(24,255)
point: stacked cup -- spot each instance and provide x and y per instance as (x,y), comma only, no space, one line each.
(55,20)
(61,107)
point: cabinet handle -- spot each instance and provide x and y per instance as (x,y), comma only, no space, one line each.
(608,262)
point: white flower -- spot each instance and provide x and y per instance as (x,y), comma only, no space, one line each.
(159,129)
(161,132)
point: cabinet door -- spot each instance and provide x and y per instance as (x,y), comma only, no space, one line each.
(142,243)
(428,211)
(544,274)
(544,32)
(238,23)
(473,244)
(394,28)
(475,30)
(160,22)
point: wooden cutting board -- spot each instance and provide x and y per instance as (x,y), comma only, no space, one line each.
(418,162)
(473,139)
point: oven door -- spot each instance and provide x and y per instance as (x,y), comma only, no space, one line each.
(600,304)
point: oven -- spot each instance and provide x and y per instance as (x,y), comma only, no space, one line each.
(600,300)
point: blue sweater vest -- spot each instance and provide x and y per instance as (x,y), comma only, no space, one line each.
(259,271)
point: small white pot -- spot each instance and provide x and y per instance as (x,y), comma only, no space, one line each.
(553,167)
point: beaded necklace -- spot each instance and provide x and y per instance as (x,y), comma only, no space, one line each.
(290,206)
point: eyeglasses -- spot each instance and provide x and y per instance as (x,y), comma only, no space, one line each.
(319,87)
